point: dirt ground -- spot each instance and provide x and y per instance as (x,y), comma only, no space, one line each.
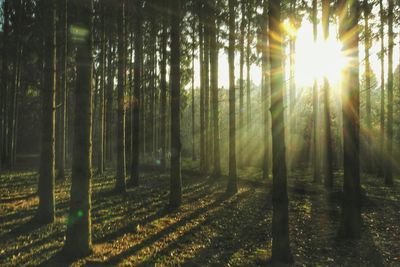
(210,229)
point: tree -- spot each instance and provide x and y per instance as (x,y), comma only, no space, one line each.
(102,66)
(62,109)
(382,109)
(328,159)
(349,34)
(232,183)
(265,103)
(316,175)
(78,242)
(214,87)
(4,83)
(121,158)
(368,74)
(175,198)
(138,45)
(389,129)
(280,218)
(241,81)
(163,83)
(202,91)
(46,209)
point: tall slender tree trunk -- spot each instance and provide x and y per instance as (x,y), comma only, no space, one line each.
(101,145)
(248,78)
(292,88)
(121,158)
(232,183)
(351,214)
(214,51)
(175,198)
(328,159)
(192,91)
(62,127)
(280,218)
(368,72)
(163,107)
(109,99)
(4,84)
(382,102)
(78,242)
(241,82)
(389,129)
(208,151)
(202,110)
(138,45)
(265,100)
(316,172)
(46,210)
(14,88)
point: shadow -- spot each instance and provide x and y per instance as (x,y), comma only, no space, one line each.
(114,260)
(216,217)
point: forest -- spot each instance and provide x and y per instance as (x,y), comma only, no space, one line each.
(200,133)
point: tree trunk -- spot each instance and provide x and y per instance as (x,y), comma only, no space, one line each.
(368,72)
(109,99)
(175,198)
(241,82)
(328,159)
(351,214)
(280,219)
(4,85)
(248,79)
(265,101)
(389,134)
(46,209)
(202,111)
(163,107)
(292,89)
(62,90)
(138,45)
(121,157)
(232,183)
(78,242)
(214,88)
(101,145)
(208,151)
(382,102)
(315,151)
(192,80)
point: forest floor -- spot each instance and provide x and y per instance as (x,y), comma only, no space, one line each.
(210,229)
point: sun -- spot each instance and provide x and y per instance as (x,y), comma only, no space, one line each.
(316,60)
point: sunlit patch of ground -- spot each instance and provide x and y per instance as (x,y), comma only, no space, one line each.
(210,229)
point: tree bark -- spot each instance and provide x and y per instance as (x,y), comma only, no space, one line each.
(46,210)
(382,93)
(280,219)
(214,88)
(138,45)
(351,215)
(4,84)
(316,172)
(328,159)
(265,100)
(78,241)
(121,157)
(175,198)
(232,183)
(389,129)
(163,107)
